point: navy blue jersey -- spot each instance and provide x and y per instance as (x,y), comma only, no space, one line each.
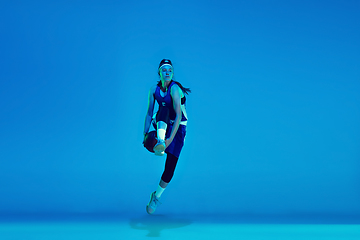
(168,102)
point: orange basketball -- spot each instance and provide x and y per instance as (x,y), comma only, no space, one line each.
(150,141)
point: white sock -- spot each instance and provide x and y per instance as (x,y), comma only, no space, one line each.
(161,133)
(159,191)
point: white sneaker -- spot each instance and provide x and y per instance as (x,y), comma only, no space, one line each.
(151,206)
(160,153)
(160,146)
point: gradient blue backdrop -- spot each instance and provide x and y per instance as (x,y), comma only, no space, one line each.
(274,111)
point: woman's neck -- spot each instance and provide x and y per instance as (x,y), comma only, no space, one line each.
(165,85)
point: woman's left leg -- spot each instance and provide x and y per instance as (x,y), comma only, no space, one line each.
(170,165)
(166,177)
(168,173)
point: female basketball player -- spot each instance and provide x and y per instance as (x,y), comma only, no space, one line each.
(171,120)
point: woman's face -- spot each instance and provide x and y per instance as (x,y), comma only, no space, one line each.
(166,73)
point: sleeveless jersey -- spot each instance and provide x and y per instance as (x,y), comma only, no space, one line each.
(168,102)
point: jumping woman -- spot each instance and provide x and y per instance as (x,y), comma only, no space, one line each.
(170,123)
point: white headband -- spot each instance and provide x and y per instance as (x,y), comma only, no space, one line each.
(165,64)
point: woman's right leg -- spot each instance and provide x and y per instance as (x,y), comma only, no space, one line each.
(162,120)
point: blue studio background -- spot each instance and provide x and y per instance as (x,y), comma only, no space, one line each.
(274,111)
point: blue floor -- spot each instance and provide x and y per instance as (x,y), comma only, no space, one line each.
(181,227)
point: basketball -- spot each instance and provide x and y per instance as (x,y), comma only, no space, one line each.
(150,141)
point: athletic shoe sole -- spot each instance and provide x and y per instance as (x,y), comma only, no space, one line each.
(159,147)
(159,153)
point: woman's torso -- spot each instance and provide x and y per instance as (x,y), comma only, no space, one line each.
(164,99)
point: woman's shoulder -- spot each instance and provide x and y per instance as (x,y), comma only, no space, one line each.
(175,86)
(176,89)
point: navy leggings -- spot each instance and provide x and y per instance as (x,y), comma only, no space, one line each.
(171,160)
(169,170)
(163,115)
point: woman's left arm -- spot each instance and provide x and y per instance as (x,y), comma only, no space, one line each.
(175,94)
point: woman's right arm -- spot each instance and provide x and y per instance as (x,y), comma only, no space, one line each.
(150,110)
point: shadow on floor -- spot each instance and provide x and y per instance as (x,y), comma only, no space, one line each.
(154,224)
